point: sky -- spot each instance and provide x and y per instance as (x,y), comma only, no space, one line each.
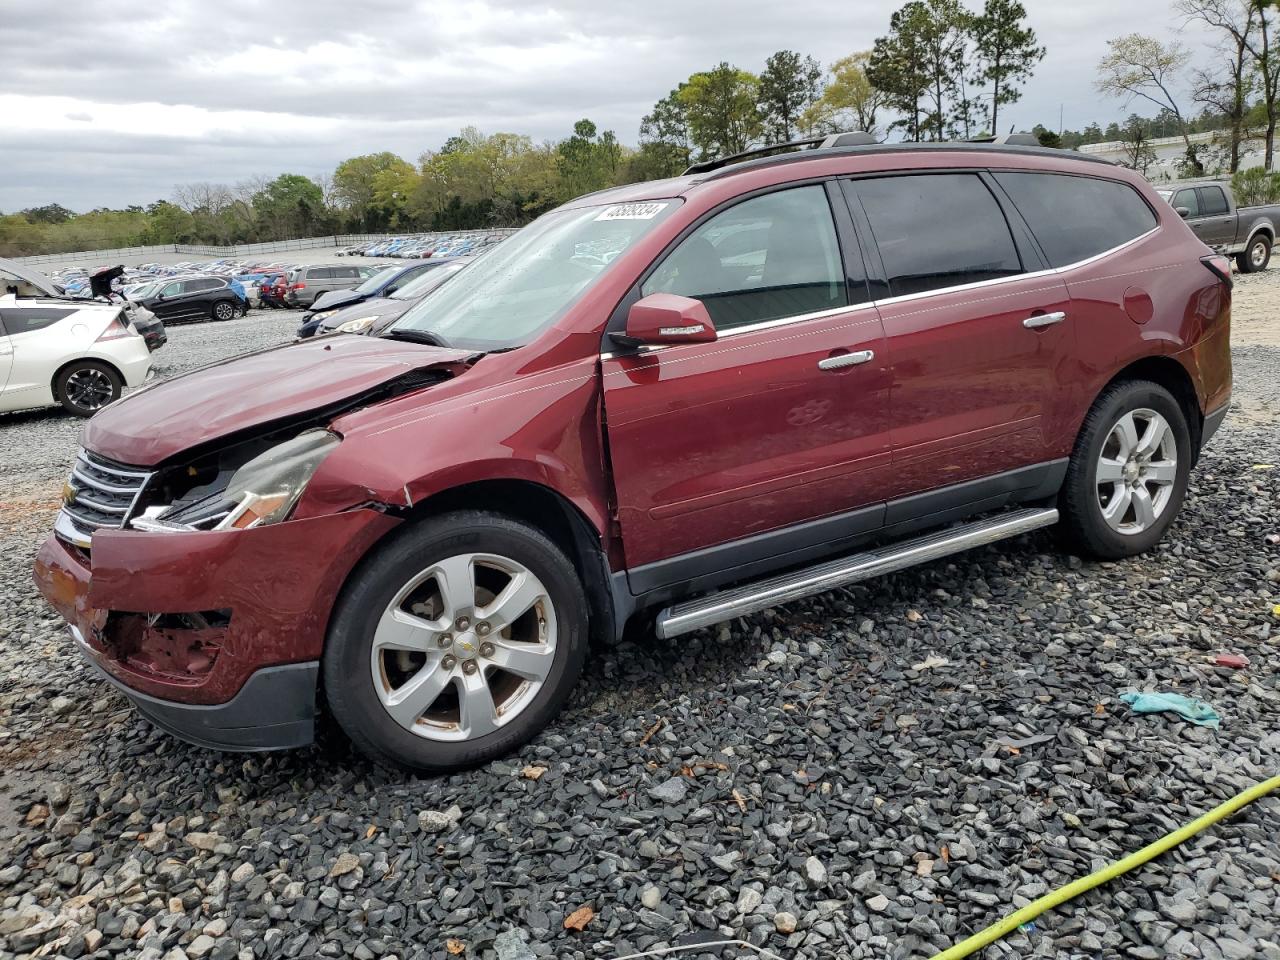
(110,110)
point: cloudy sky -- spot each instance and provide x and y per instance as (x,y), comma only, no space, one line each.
(112,108)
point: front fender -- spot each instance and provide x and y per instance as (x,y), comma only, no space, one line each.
(542,428)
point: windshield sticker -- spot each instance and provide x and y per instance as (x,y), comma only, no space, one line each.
(631,211)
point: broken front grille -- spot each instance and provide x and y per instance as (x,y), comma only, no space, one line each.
(100,494)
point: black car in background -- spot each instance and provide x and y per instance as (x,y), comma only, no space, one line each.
(194,298)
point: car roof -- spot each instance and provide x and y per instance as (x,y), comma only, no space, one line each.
(967,154)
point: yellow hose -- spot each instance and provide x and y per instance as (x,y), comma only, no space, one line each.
(1109,872)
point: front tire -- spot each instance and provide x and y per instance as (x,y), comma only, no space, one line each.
(457,641)
(1256,256)
(86,386)
(1128,473)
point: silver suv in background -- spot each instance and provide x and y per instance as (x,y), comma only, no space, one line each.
(304,284)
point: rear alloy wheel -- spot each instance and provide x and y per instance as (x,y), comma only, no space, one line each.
(457,642)
(1256,256)
(86,387)
(223,310)
(1128,474)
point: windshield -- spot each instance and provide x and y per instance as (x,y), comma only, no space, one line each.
(428,281)
(528,281)
(377,280)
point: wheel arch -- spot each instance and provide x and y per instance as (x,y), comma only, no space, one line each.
(1175,378)
(1264,228)
(556,516)
(62,367)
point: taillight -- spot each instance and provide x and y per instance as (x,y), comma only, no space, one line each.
(299,286)
(1220,267)
(117,328)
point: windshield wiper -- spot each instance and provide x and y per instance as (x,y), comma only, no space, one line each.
(416,336)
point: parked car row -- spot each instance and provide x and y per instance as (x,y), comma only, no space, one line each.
(424,246)
(380,298)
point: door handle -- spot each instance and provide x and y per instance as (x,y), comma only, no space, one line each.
(1041,320)
(846,360)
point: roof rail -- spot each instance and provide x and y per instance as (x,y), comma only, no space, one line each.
(1009,140)
(852,138)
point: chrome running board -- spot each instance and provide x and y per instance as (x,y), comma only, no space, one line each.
(753,597)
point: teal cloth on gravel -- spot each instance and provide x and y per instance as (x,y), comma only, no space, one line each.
(1197,711)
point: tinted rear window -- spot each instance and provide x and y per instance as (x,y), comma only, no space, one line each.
(938,230)
(1075,217)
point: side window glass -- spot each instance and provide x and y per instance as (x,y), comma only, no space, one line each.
(937,230)
(1213,202)
(173,289)
(1188,199)
(1076,217)
(766,258)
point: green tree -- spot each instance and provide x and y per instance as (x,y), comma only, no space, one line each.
(788,87)
(49,213)
(169,223)
(848,101)
(1136,144)
(1005,54)
(289,205)
(354,186)
(1265,52)
(898,67)
(1139,66)
(720,109)
(587,161)
(665,146)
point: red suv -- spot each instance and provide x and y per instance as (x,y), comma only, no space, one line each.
(700,396)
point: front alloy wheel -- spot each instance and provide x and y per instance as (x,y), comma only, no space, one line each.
(458,639)
(464,647)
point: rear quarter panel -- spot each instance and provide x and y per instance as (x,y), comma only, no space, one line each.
(1151,297)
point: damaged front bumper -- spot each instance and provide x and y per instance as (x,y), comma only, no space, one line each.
(216,636)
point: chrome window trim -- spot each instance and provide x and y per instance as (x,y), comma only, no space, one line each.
(903,298)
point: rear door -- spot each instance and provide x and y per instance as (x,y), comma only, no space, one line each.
(978,332)
(1217,223)
(757,441)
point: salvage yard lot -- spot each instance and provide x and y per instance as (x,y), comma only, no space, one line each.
(832,767)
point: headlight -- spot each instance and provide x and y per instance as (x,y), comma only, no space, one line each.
(265,489)
(323,314)
(358,325)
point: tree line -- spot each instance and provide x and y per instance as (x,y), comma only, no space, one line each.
(941,71)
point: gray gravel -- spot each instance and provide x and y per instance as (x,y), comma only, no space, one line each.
(823,780)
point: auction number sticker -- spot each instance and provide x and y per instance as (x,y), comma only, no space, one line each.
(631,211)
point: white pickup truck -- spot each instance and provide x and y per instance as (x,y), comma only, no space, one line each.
(1247,233)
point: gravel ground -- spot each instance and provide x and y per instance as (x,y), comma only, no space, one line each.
(834,778)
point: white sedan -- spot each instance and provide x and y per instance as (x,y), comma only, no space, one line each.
(80,353)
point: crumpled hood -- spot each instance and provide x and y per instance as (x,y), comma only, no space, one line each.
(162,420)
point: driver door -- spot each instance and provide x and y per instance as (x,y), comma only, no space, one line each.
(169,305)
(764,442)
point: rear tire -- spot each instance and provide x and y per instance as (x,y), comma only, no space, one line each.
(223,310)
(86,386)
(1128,473)
(416,663)
(1256,256)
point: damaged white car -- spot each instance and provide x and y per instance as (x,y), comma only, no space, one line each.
(80,353)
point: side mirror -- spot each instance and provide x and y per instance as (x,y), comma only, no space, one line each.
(662,318)
(1183,212)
